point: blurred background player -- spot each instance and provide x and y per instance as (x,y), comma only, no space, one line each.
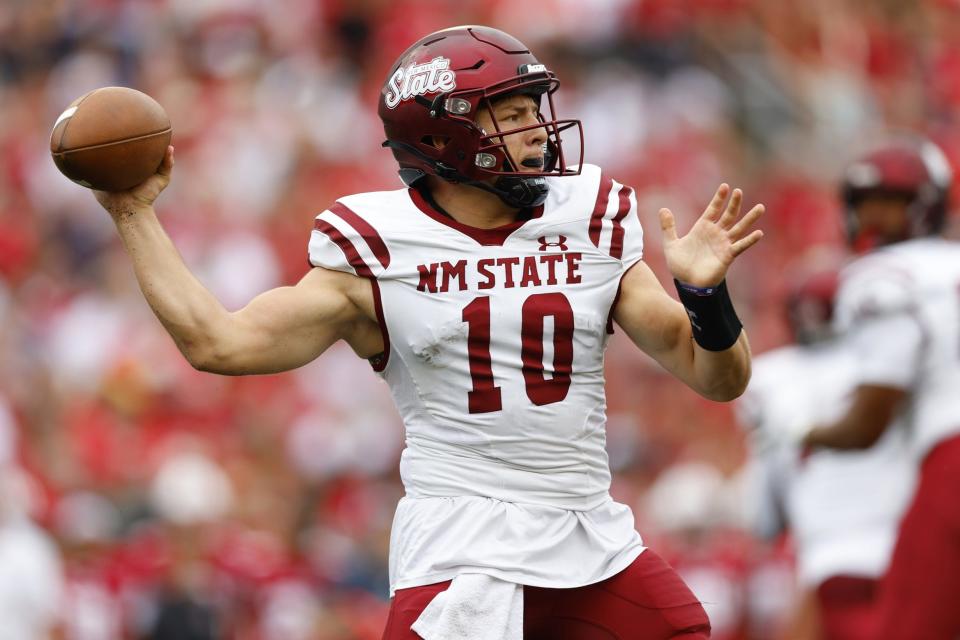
(899,309)
(842,509)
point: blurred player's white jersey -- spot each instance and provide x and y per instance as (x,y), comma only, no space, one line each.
(494,355)
(843,508)
(901,306)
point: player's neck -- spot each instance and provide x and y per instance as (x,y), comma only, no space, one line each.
(471,206)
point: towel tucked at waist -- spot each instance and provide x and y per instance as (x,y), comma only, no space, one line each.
(474,607)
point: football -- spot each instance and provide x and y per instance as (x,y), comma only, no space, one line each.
(110,139)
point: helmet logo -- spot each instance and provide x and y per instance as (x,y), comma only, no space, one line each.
(419,79)
(863,175)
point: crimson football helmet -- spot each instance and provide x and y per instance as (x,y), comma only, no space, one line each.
(430,101)
(914,169)
(810,303)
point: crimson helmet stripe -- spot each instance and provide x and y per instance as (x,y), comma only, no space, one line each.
(616,241)
(600,209)
(367,232)
(353,256)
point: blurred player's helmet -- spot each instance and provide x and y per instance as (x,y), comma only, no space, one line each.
(914,169)
(431,98)
(809,305)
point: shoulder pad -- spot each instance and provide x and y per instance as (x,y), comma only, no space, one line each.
(873,286)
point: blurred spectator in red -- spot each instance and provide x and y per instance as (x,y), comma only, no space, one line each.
(670,93)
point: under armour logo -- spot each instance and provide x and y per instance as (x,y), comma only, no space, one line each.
(561,243)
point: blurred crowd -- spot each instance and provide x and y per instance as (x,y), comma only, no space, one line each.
(142,499)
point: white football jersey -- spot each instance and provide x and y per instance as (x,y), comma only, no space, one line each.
(900,306)
(494,355)
(842,508)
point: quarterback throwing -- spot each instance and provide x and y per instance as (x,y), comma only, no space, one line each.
(484,292)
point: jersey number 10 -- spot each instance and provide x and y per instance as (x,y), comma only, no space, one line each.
(485,395)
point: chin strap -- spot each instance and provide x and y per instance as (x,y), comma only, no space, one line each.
(515,191)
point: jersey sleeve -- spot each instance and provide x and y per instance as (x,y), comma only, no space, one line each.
(889,351)
(615,224)
(748,409)
(632,231)
(871,289)
(753,409)
(342,240)
(876,310)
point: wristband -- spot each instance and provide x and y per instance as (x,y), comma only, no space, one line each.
(716,326)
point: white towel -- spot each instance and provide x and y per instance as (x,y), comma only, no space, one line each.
(474,607)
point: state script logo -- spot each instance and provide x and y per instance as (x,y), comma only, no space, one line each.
(418,79)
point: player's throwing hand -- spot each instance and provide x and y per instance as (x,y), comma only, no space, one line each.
(701,258)
(142,195)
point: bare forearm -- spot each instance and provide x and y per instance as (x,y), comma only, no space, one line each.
(716,375)
(840,435)
(660,326)
(870,413)
(722,375)
(182,304)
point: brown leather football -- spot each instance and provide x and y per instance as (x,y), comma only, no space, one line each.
(110,139)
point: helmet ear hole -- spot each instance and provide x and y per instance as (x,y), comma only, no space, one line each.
(437,142)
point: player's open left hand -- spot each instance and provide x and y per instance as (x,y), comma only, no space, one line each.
(126,202)
(701,257)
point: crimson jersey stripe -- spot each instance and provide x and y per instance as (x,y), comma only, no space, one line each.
(367,232)
(353,256)
(600,209)
(616,242)
(379,361)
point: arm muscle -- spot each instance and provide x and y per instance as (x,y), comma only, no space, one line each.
(287,327)
(279,330)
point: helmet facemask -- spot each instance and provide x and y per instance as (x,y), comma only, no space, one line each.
(517,181)
(494,169)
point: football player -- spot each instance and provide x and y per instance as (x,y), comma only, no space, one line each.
(484,292)
(899,304)
(841,508)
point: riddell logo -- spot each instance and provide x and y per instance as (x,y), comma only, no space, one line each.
(419,79)
(560,243)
